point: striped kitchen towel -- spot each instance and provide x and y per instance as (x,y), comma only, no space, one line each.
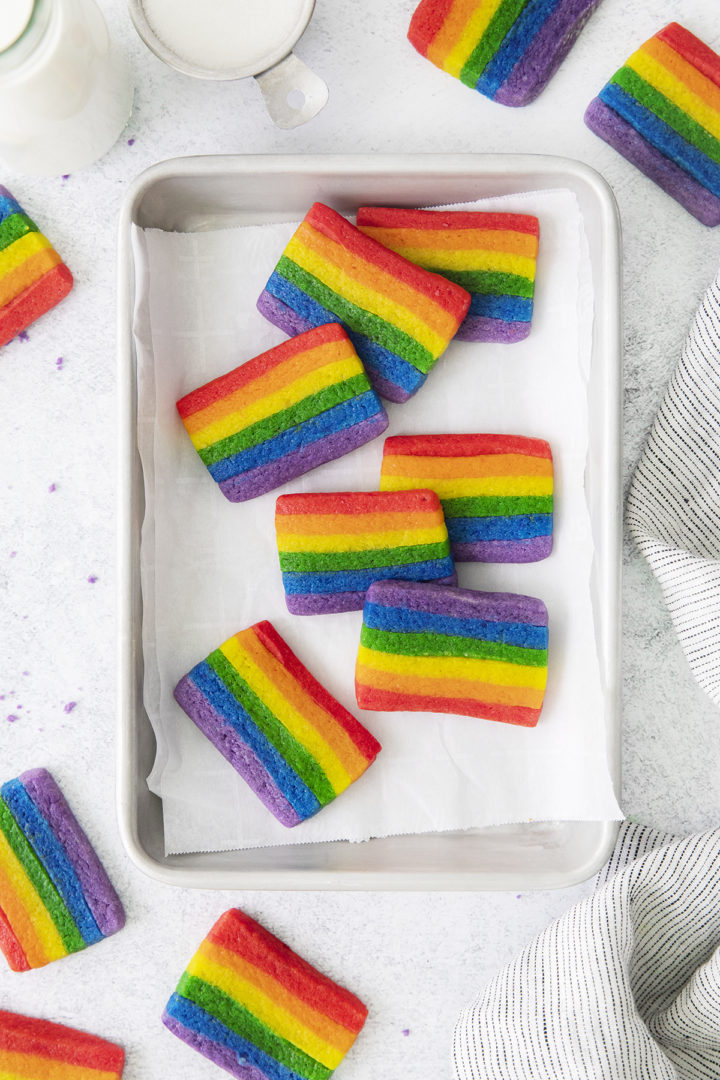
(624,986)
(673,509)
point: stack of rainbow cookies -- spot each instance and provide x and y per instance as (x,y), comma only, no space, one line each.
(290,740)
(55,897)
(250,1004)
(283,413)
(33,277)
(508,50)
(400,317)
(661,111)
(32,1049)
(491,255)
(428,648)
(496,490)
(333,545)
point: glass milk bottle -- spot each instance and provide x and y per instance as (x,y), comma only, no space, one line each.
(65,90)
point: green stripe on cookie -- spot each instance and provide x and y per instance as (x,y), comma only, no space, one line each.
(237,1018)
(71,937)
(428,644)
(302,411)
(13,227)
(492,282)
(498,29)
(357,318)
(325,561)
(497,505)
(273,729)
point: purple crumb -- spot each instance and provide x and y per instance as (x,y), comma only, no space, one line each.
(92,579)
(131,142)
(59,363)
(66,176)
(26,672)
(24,336)
(406,1031)
(53,487)
(13,554)
(70,706)
(11,718)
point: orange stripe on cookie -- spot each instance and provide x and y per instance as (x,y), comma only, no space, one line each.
(327,524)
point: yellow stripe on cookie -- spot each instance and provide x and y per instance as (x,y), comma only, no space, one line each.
(335,542)
(463,487)
(497,672)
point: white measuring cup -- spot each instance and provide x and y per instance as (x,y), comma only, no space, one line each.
(234,39)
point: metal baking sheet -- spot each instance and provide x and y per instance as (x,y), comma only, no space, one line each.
(188,194)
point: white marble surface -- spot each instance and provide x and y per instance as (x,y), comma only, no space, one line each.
(415,959)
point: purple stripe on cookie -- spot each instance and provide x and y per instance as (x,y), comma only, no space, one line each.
(100,895)
(281,315)
(504,551)
(221,1055)
(333,603)
(483,328)
(324,603)
(387,389)
(459,603)
(214,726)
(545,53)
(267,477)
(611,127)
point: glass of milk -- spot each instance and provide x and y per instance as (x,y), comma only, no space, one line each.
(233,39)
(65,91)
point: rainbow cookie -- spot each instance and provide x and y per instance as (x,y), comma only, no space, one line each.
(289,410)
(493,256)
(429,648)
(32,1049)
(496,490)
(55,897)
(333,545)
(400,317)
(661,111)
(508,50)
(33,277)
(289,739)
(259,1011)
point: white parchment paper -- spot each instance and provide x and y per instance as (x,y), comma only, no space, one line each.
(210,568)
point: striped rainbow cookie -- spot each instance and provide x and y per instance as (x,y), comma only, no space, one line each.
(283,413)
(429,648)
(289,739)
(258,1010)
(33,277)
(493,256)
(400,317)
(55,897)
(496,490)
(508,50)
(661,111)
(32,1049)
(333,545)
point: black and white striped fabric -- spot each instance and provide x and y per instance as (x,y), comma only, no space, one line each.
(624,986)
(673,509)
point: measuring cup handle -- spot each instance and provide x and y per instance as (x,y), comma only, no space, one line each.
(278,83)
